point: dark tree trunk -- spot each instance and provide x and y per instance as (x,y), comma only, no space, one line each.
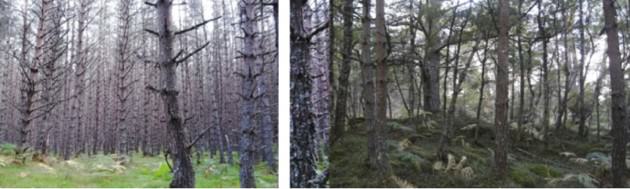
(183,172)
(430,68)
(247,129)
(342,89)
(482,86)
(617,86)
(302,126)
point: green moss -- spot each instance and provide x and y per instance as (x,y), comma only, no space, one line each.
(522,177)
(543,170)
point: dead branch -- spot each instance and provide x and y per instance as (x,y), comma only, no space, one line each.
(196,26)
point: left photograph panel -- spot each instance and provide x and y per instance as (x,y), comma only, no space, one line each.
(127,93)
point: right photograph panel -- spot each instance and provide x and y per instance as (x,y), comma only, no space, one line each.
(459,93)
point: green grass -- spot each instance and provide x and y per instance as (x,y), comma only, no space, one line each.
(95,171)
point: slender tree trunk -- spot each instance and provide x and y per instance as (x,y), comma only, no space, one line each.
(482,85)
(344,74)
(521,104)
(447,129)
(501,103)
(377,133)
(582,78)
(545,81)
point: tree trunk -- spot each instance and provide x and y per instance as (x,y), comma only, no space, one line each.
(247,129)
(367,73)
(302,125)
(501,103)
(482,85)
(617,86)
(582,78)
(377,132)
(545,81)
(430,69)
(183,172)
(342,90)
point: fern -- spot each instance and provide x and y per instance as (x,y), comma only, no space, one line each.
(7,149)
(401,182)
(402,145)
(467,173)
(469,127)
(584,180)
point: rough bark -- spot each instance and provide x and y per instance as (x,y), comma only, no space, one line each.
(430,69)
(303,145)
(248,98)
(617,86)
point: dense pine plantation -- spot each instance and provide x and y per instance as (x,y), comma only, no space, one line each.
(138,85)
(476,93)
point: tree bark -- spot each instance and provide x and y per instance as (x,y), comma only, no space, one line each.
(344,74)
(302,121)
(430,69)
(377,132)
(617,86)
(501,103)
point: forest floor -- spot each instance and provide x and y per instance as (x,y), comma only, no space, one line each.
(104,171)
(567,161)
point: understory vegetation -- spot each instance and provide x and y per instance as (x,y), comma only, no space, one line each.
(412,144)
(119,171)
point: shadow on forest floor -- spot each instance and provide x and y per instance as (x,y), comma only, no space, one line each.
(104,171)
(567,161)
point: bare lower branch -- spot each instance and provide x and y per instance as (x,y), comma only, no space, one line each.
(150,4)
(192,143)
(152,32)
(318,29)
(192,53)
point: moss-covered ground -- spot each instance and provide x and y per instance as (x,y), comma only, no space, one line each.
(412,147)
(103,171)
